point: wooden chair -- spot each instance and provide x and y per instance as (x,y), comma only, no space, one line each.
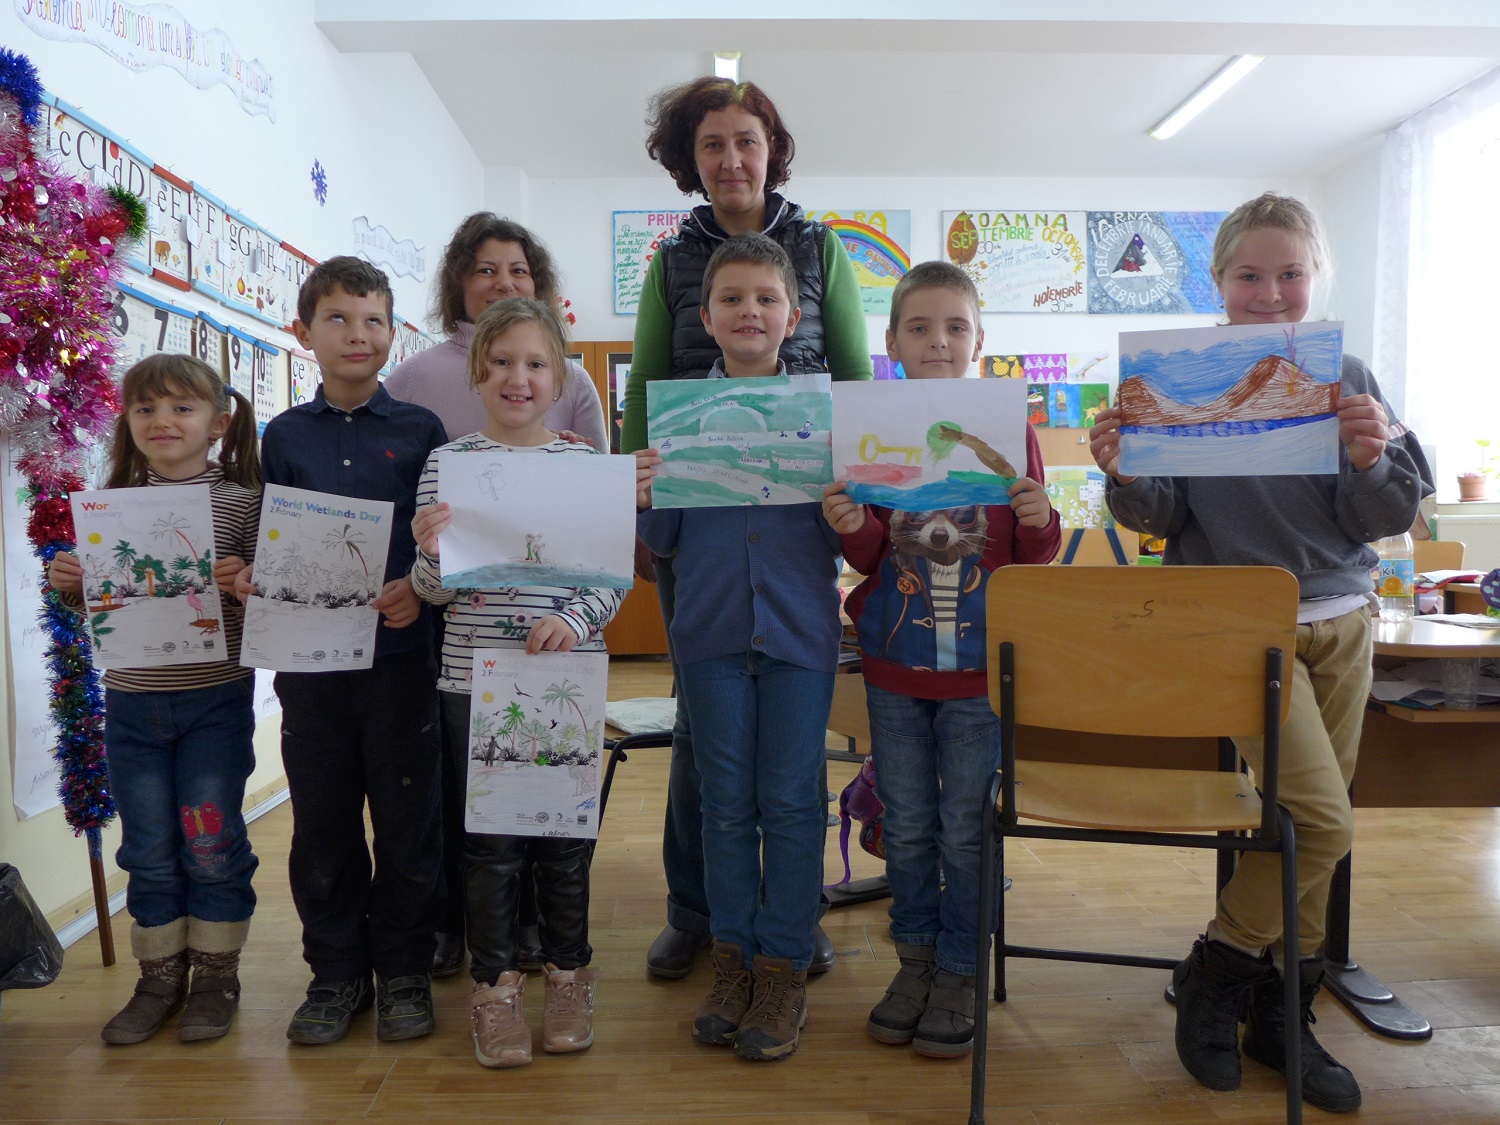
(1184,652)
(1437,554)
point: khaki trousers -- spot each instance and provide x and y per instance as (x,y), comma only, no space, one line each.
(1319,744)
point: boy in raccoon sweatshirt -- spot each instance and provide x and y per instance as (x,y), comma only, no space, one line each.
(935,741)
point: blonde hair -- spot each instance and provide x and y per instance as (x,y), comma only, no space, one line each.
(1280,212)
(504,315)
(158,376)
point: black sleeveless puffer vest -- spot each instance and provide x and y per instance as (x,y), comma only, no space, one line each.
(685,257)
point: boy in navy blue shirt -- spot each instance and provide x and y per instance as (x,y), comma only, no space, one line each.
(372,734)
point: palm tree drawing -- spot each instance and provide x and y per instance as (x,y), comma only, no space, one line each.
(565,695)
(172,524)
(514,717)
(351,541)
(206,567)
(533,731)
(151,570)
(125,556)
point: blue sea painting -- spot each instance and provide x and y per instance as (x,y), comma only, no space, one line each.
(740,442)
(1240,400)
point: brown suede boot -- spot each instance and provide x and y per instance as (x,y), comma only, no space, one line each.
(214,995)
(161,950)
(778,1012)
(719,1016)
(895,1018)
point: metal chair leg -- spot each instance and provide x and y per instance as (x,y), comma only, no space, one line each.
(1291,977)
(982,954)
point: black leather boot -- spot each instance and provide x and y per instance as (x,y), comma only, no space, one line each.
(1325,1083)
(1212,985)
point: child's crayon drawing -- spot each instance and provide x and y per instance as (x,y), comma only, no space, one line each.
(148,586)
(1152,261)
(537,519)
(536,732)
(1239,400)
(1021,261)
(879,247)
(1077,492)
(930,444)
(737,442)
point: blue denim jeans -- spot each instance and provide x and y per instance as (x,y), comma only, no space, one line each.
(178,761)
(759,726)
(933,762)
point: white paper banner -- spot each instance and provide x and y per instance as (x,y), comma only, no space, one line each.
(378,245)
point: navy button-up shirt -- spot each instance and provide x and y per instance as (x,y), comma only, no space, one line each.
(373,452)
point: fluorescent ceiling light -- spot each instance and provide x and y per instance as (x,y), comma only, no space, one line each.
(727,65)
(1205,96)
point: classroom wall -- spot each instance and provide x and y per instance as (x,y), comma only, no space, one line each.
(392,154)
(1347,200)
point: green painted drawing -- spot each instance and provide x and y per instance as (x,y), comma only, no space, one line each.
(734,442)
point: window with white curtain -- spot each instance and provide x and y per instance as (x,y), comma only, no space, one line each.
(1438,293)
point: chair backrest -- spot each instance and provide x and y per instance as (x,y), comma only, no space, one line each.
(1171,651)
(1437,554)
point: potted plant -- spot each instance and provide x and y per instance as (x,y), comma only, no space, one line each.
(1475,484)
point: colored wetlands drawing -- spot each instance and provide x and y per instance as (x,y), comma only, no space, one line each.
(537,519)
(930,444)
(319,564)
(1243,400)
(148,563)
(536,731)
(735,442)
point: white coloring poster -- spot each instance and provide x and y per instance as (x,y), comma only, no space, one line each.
(319,564)
(536,735)
(537,519)
(148,584)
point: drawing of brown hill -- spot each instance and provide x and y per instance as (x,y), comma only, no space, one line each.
(1273,388)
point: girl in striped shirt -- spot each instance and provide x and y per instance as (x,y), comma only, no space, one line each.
(179,738)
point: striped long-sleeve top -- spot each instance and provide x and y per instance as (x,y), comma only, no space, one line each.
(502,617)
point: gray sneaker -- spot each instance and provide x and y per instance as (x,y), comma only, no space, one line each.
(325,1015)
(404,1005)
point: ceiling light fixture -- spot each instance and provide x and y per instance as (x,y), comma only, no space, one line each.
(727,65)
(1205,96)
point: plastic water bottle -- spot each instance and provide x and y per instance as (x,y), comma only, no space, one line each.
(1395,579)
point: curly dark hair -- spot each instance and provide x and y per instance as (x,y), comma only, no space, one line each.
(458,262)
(674,114)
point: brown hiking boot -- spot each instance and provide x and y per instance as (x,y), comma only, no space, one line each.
(895,1018)
(211,1004)
(568,1014)
(161,951)
(498,1013)
(946,1029)
(719,1016)
(778,1011)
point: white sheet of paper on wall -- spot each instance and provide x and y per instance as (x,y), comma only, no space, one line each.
(255,256)
(225,252)
(192,231)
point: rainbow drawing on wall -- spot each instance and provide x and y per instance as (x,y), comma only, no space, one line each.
(877,244)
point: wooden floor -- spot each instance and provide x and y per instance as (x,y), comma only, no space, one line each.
(1074,1044)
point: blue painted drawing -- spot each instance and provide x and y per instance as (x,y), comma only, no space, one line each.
(1245,400)
(737,442)
(1152,261)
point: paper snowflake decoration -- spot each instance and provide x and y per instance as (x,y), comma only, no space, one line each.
(320,182)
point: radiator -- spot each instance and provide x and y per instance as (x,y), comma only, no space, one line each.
(1479,533)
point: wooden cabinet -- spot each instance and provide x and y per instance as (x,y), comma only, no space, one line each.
(637,629)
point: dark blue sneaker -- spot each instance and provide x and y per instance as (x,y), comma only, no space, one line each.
(405,1008)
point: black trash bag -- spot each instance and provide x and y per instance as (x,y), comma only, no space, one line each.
(30,955)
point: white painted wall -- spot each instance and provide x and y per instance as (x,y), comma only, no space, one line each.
(392,153)
(1347,200)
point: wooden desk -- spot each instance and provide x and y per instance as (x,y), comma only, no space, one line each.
(1412,758)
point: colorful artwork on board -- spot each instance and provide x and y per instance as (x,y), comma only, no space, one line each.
(1021,261)
(536,736)
(1077,492)
(1152,261)
(937,443)
(167,209)
(735,442)
(1238,400)
(637,237)
(879,245)
(886,368)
